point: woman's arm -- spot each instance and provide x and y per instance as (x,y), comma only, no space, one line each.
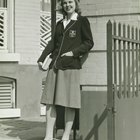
(87,39)
(48,49)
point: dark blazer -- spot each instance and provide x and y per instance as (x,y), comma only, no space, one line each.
(76,37)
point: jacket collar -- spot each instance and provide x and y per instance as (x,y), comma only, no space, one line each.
(73,19)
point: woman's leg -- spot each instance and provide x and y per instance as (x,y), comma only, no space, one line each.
(50,121)
(69,118)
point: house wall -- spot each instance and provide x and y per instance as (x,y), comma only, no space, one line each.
(110,7)
(27,30)
(99,13)
(93,121)
(28,87)
(127,118)
(94,73)
(27,44)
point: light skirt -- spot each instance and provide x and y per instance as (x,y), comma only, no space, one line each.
(62,88)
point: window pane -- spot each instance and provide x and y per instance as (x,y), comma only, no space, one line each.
(45,5)
(3,3)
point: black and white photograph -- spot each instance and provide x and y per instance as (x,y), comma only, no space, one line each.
(69,70)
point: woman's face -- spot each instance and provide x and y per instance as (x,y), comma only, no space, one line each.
(69,6)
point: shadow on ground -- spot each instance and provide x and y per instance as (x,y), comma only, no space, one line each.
(24,130)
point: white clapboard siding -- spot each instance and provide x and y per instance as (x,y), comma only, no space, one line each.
(6,95)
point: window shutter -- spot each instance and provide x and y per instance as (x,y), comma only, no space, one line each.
(3,29)
(6,95)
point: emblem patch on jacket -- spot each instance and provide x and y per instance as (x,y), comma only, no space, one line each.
(72,33)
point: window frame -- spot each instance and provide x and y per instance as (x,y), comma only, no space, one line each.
(7,86)
(9,54)
(10,26)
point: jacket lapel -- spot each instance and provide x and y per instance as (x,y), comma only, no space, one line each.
(70,23)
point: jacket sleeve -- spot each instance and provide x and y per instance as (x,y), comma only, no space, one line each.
(87,39)
(48,49)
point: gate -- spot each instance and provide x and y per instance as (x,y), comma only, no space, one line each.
(123,76)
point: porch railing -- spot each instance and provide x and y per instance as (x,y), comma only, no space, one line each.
(45,27)
(3,29)
(124,59)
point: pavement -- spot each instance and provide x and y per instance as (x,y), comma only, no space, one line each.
(25,129)
(22,129)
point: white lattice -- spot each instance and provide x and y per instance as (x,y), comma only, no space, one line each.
(3,29)
(45,28)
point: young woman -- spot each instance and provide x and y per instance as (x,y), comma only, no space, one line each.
(72,40)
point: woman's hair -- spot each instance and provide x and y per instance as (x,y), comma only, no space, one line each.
(77,9)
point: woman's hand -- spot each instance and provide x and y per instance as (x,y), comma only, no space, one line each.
(67,54)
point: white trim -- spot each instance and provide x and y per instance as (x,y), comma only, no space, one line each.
(9,57)
(13,99)
(10,25)
(94,88)
(10,113)
(47,1)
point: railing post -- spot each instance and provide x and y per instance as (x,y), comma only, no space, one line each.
(53,16)
(128,62)
(110,94)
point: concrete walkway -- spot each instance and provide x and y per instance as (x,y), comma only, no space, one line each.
(25,129)
(22,129)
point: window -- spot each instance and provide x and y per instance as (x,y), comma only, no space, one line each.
(7,93)
(7,48)
(7,26)
(3,3)
(8,99)
(45,5)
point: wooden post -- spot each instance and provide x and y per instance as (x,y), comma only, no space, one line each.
(133,64)
(53,16)
(120,60)
(128,62)
(5,3)
(124,62)
(139,58)
(110,94)
(137,64)
(115,59)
